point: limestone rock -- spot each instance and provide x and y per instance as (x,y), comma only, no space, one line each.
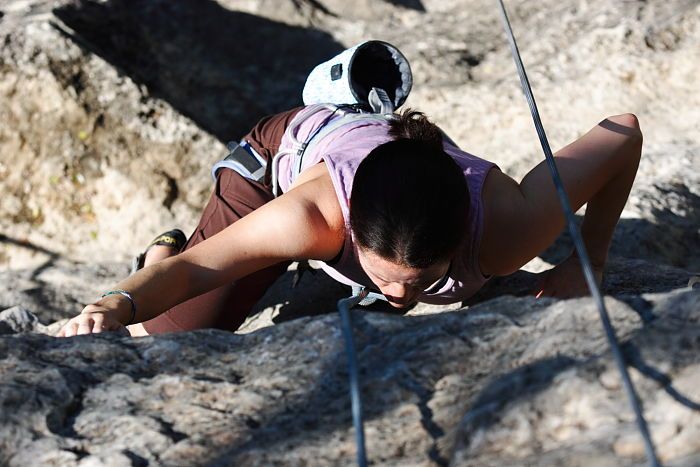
(497,384)
(533,416)
(123,101)
(18,319)
(112,113)
(58,289)
(107,127)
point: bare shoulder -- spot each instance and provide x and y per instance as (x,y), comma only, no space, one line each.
(314,192)
(315,187)
(499,191)
(504,211)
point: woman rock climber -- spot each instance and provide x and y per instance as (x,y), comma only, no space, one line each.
(386,204)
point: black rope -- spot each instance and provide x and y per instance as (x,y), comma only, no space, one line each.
(580,248)
(344,306)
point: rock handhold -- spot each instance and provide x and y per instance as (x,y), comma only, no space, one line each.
(19,320)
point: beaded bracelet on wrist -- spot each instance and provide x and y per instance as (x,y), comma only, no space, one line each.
(129,297)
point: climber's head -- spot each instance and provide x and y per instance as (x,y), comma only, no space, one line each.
(408,209)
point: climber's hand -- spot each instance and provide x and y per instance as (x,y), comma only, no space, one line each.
(93,319)
(566,280)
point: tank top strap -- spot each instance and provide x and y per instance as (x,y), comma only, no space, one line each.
(296,148)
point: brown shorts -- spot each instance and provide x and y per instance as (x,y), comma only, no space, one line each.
(234,197)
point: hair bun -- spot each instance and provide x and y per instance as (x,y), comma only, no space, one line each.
(415,126)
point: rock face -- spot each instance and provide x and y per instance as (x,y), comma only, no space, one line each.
(112,113)
(507,382)
(108,107)
(93,122)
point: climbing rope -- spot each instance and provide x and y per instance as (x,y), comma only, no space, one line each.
(580,248)
(344,306)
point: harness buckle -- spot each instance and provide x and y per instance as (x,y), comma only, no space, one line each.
(244,159)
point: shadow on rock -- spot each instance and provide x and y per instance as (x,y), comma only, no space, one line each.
(622,277)
(523,382)
(410,4)
(635,360)
(221,68)
(672,238)
(314,293)
(382,358)
(535,398)
(52,255)
(292,297)
(57,288)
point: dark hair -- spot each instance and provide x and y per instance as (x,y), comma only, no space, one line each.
(409,200)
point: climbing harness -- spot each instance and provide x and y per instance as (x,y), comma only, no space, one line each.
(580,247)
(244,159)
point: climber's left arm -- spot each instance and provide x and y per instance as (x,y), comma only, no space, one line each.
(522,219)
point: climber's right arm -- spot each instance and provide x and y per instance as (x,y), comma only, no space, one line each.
(306,222)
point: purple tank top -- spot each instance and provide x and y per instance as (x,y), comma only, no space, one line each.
(342,151)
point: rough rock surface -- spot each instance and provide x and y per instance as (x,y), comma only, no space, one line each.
(111,114)
(108,107)
(506,382)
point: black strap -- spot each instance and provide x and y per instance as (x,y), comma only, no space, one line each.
(580,248)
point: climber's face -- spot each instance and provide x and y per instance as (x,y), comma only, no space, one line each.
(400,284)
